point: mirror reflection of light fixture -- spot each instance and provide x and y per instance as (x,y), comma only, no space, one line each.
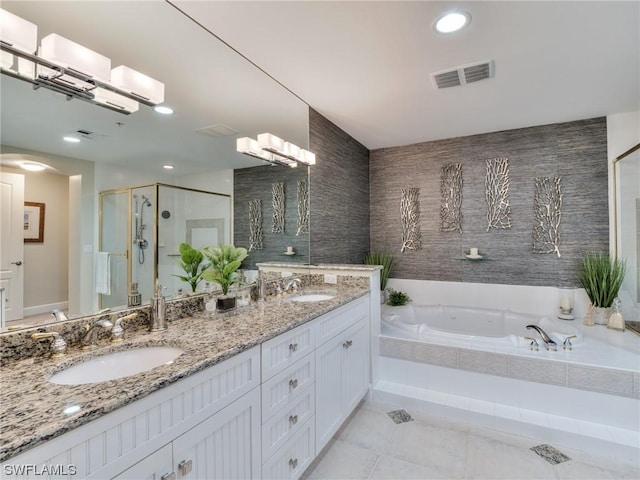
(72,69)
(33,166)
(273,149)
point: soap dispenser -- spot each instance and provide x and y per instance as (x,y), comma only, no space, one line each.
(158,310)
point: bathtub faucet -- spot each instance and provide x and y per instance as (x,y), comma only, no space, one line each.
(548,341)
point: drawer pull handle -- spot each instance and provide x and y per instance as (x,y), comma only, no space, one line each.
(168,476)
(293,463)
(293,347)
(293,419)
(184,467)
(347,344)
(293,384)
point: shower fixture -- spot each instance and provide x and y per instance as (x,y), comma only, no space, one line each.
(140,241)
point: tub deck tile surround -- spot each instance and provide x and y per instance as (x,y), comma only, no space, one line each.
(612,381)
(33,408)
(541,371)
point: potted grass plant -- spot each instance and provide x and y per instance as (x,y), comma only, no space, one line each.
(386,261)
(192,262)
(224,261)
(601,277)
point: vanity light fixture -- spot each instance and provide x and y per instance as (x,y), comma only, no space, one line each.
(273,149)
(71,139)
(32,166)
(168,167)
(452,22)
(71,69)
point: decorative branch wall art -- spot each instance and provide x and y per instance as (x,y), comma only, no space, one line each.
(451,202)
(278,202)
(255,225)
(547,211)
(303,207)
(497,194)
(410,216)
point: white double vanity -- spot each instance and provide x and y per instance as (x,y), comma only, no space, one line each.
(264,408)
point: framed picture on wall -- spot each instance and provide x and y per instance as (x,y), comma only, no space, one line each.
(33,222)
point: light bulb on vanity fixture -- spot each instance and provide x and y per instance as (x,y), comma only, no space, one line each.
(273,149)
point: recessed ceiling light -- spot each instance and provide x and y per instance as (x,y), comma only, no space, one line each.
(168,167)
(33,166)
(452,22)
(71,139)
(163,109)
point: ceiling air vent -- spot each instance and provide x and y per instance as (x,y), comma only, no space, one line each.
(464,74)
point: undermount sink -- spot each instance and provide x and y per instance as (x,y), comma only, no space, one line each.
(116,365)
(312,297)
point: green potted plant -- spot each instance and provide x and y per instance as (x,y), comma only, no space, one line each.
(386,261)
(224,262)
(601,277)
(191,261)
(397,298)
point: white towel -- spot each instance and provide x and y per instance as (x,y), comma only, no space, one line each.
(103,273)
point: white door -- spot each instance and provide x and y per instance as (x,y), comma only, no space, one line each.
(226,446)
(12,243)
(329,381)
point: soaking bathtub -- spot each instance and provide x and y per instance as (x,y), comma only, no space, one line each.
(472,326)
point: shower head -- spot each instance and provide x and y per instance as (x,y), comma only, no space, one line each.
(146,201)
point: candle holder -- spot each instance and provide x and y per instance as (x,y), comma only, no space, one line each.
(565,304)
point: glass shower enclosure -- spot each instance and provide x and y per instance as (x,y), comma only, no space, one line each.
(141,229)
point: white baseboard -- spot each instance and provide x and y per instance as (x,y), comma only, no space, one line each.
(47,308)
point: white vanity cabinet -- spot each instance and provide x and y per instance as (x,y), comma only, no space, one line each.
(342,373)
(263,413)
(197,419)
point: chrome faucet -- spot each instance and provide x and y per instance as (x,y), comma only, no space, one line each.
(59,315)
(548,341)
(117,332)
(90,338)
(292,285)
(58,346)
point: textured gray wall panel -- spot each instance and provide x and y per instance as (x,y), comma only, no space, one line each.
(255,183)
(339,190)
(577,151)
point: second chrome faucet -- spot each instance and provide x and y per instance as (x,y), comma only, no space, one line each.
(548,341)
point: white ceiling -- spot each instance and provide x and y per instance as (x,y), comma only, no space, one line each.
(365,65)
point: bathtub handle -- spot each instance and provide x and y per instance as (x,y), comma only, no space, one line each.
(534,344)
(567,342)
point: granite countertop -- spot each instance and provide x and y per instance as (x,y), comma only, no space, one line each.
(33,409)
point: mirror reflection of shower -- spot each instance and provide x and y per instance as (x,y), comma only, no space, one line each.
(140,241)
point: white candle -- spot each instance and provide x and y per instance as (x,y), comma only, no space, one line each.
(565,304)
(473,252)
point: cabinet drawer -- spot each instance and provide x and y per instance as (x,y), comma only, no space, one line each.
(286,422)
(332,323)
(287,386)
(286,349)
(294,457)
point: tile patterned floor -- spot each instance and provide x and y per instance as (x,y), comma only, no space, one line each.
(371,446)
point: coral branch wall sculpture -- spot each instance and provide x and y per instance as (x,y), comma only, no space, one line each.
(303,207)
(497,194)
(410,216)
(255,225)
(278,202)
(547,211)
(451,203)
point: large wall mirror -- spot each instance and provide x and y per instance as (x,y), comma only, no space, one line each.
(217,96)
